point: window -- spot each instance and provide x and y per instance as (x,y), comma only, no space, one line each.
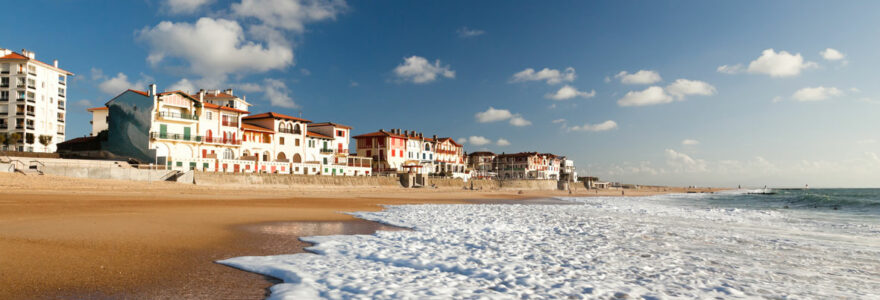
(296,129)
(210,115)
(281,140)
(61,92)
(296,142)
(325,162)
(4,68)
(340,133)
(369,153)
(4,81)
(4,95)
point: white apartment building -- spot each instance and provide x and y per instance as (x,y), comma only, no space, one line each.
(33,99)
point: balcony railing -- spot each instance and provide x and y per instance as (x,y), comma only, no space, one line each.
(60,120)
(30,127)
(62,83)
(326,150)
(175,136)
(33,87)
(230,124)
(61,107)
(20,99)
(4,99)
(174,115)
(31,100)
(61,133)
(20,85)
(30,113)
(6,85)
(214,140)
(60,94)
(4,126)
(19,113)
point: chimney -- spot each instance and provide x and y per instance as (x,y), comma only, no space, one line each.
(202,95)
(435,137)
(228,91)
(152,89)
(406,132)
(382,130)
(55,63)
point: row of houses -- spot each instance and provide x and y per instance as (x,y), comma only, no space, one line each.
(214,131)
(522,165)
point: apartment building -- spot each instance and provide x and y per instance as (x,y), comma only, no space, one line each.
(33,102)
(386,148)
(481,163)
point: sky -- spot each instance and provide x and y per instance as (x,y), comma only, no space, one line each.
(706,93)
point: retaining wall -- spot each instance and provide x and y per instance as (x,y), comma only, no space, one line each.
(210,178)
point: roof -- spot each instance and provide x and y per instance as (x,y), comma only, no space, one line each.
(379,133)
(212,105)
(97,108)
(450,140)
(318,135)
(252,127)
(140,92)
(481,153)
(329,124)
(518,154)
(275,115)
(15,55)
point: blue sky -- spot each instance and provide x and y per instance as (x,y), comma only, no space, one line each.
(799,114)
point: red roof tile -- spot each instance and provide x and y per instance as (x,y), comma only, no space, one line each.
(318,135)
(215,106)
(15,55)
(275,115)
(379,133)
(329,124)
(252,127)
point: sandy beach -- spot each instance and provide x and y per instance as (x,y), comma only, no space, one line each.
(73,238)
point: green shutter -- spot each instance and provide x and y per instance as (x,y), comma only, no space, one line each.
(163,131)
(186,133)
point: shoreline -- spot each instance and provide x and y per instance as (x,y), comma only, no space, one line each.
(107,238)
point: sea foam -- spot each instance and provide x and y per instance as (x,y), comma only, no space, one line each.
(651,247)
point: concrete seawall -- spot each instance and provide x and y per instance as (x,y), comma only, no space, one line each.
(209,178)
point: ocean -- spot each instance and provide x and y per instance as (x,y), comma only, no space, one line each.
(812,244)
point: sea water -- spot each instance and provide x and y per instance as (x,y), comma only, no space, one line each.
(793,244)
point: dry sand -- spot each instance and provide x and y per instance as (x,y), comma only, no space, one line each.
(84,238)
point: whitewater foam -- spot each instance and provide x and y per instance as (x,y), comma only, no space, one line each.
(649,247)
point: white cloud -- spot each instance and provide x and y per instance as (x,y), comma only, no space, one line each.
(184,6)
(478,140)
(465,32)
(640,77)
(816,93)
(278,93)
(519,121)
(684,163)
(214,48)
(183,85)
(730,69)
(650,96)
(502,142)
(493,115)
(677,90)
(288,14)
(607,125)
(120,83)
(83,103)
(683,87)
(96,73)
(417,69)
(781,64)
(557,121)
(551,76)
(690,142)
(567,92)
(462,140)
(777,99)
(831,54)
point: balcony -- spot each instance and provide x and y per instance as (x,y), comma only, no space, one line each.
(31,100)
(175,136)
(4,99)
(19,113)
(61,107)
(60,120)
(62,83)
(230,124)
(327,151)
(31,127)
(5,85)
(33,87)
(31,114)
(61,95)
(20,85)
(175,116)
(223,141)
(61,133)
(4,126)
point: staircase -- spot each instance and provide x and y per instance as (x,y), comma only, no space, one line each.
(171,176)
(32,168)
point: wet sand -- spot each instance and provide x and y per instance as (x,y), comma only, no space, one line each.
(81,238)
